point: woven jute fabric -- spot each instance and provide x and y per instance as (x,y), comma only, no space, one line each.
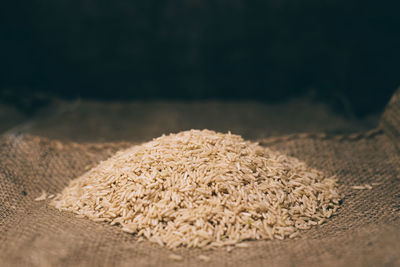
(390,121)
(365,232)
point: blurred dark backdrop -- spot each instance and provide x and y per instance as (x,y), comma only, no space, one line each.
(343,52)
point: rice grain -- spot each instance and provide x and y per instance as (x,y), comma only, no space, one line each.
(175,257)
(43,196)
(204,258)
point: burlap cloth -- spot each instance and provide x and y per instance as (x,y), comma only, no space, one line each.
(366,232)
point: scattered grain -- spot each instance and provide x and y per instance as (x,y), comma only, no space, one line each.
(42,196)
(204,258)
(175,257)
(242,245)
(362,187)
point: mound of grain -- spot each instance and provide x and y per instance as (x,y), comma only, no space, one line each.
(202,189)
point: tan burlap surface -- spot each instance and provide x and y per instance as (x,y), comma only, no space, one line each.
(366,232)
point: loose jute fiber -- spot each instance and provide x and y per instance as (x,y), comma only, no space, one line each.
(365,232)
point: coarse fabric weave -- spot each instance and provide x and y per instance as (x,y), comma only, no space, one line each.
(366,232)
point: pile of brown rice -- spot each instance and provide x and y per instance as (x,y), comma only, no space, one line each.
(202,189)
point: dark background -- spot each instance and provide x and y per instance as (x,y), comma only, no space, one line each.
(345,53)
